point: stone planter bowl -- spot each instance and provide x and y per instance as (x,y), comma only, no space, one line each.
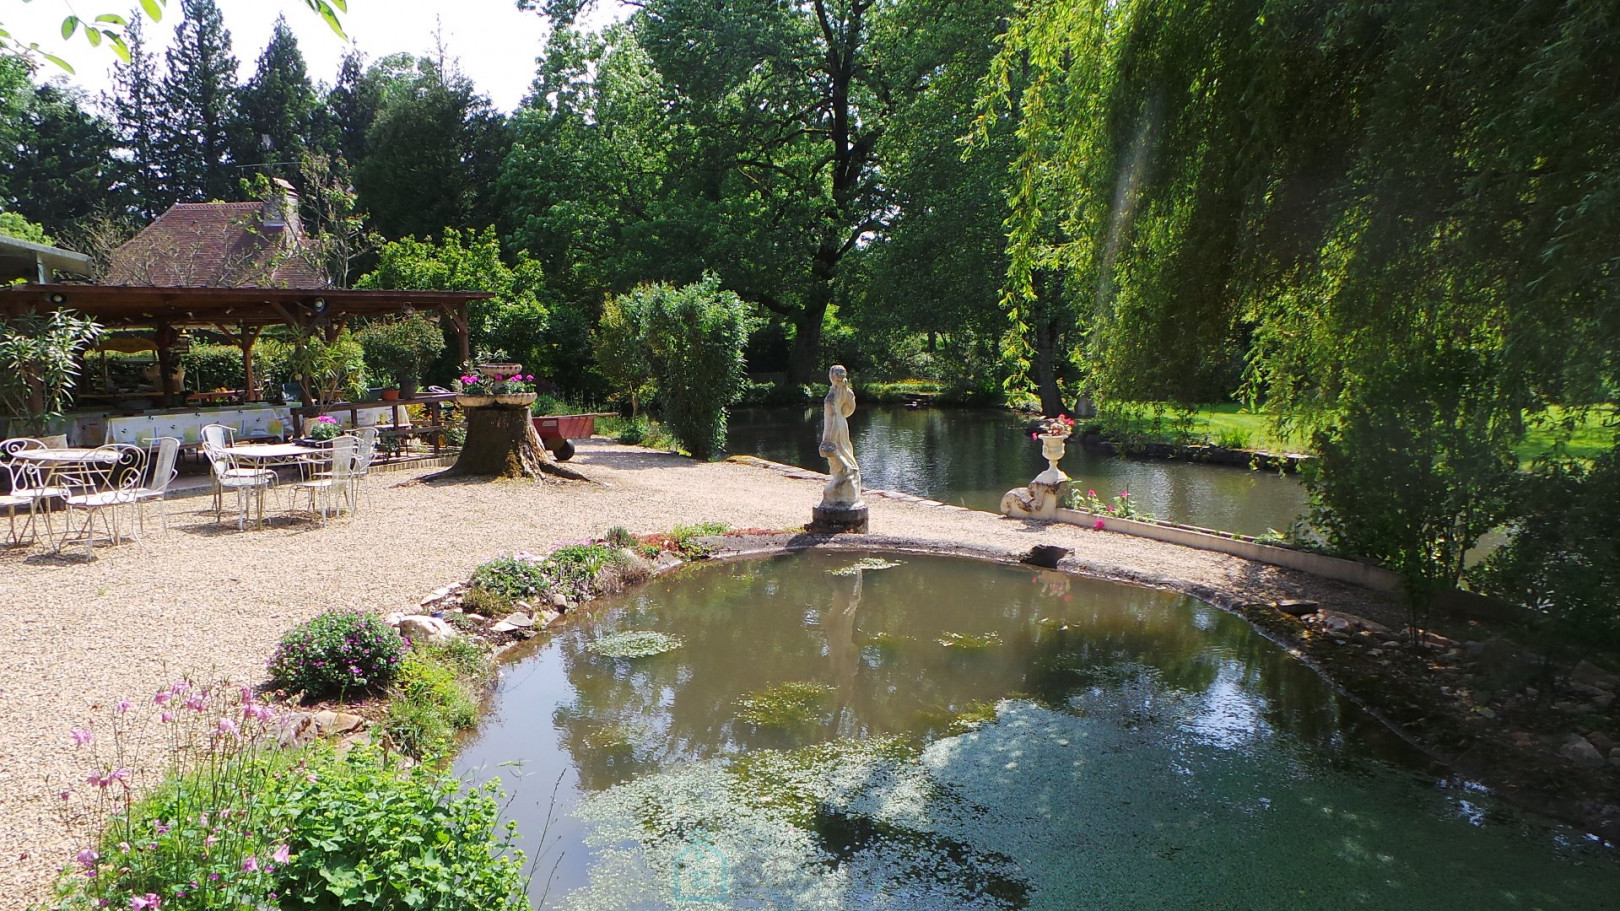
(516,398)
(494,370)
(474,401)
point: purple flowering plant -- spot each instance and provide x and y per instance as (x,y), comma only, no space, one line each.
(171,792)
(342,651)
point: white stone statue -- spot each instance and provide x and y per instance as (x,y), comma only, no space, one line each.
(843,490)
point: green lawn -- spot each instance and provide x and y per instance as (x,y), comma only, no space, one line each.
(1235,425)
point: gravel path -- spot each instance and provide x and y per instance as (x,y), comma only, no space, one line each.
(211,601)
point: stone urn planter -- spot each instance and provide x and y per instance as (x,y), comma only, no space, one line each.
(466,400)
(502,370)
(1043,496)
(516,398)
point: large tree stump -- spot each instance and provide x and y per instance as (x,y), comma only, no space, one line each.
(502,443)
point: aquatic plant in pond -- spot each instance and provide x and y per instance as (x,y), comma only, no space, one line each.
(633,644)
(968,643)
(786,705)
(863,565)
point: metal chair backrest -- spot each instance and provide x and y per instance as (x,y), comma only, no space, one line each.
(92,473)
(217,435)
(11,447)
(367,449)
(163,470)
(344,450)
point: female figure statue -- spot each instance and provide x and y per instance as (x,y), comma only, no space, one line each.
(844,486)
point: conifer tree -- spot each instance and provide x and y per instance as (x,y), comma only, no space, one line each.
(201,114)
(138,115)
(277,108)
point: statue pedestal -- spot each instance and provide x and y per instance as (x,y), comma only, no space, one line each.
(832,520)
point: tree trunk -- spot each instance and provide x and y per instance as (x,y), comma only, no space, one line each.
(1046,337)
(502,443)
(804,361)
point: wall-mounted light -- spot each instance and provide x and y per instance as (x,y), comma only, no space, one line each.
(320,305)
(58,298)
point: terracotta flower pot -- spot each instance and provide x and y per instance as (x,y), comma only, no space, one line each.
(390,395)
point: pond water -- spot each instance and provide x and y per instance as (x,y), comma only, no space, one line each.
(970,457)
(928,733)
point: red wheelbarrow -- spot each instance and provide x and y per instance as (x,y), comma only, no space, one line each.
(556,430)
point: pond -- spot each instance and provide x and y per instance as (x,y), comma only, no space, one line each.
(970,457)
(836,730)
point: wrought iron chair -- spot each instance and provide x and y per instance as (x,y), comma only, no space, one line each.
(99,485)
(32,482)
(250,484)
(157,484)
(327,488)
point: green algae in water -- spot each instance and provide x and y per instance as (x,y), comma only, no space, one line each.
(796,704)
(968,643)
(634,644)
(863,565)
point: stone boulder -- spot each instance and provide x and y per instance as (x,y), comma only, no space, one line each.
(424,629)
(1579,750)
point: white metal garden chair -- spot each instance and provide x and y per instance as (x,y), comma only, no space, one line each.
(157,483)
(330,489)
(30,482)
(250,484)
(11,501)
(99,486)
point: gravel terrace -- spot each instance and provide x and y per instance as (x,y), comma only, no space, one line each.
(208,600)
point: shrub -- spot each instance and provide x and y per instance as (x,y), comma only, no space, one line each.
(634,430)
(572,568)
(693,339)
(685,536)
(338,652)
(619,536)
(402,349)
(511,577)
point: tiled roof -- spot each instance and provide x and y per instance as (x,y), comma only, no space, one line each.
(214,245)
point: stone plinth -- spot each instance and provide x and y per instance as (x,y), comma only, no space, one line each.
(832,520)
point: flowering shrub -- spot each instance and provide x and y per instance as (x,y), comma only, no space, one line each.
(324,427)
(512,577)
(340,651)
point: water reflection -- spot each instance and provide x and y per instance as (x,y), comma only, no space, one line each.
(1179,715)
(972,457)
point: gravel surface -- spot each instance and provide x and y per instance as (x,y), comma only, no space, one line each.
(208,600)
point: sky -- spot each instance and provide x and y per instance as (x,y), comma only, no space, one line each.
(495,42)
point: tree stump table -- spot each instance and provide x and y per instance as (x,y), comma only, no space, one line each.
(502,442)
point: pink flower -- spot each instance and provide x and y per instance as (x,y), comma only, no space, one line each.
(196,702)
(1099,525)
(250,865)
(282,855)
(227,726)
(118,775)
(88,858)
(122,707)
(1091,493)
(166,717)
(82,737)
(162,697)
(530,378)
(1034,436)
(144,902)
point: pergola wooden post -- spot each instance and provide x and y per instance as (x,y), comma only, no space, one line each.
(165,337)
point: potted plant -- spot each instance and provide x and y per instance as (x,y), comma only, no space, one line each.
(479,389)
(403,349)
(39,365)
(329,370)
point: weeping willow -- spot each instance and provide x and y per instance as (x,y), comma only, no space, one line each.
(1285,197)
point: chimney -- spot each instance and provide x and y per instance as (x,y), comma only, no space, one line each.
(280,208)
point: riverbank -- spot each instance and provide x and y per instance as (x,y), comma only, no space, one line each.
(208,600)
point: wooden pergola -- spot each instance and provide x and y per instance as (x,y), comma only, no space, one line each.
(238,314)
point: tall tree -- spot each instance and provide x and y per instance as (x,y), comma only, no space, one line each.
(63,170)
(352,105)
(277,108)
(434,153)
(202,115)
(138,110)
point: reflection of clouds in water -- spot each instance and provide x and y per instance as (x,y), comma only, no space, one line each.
(1226,715)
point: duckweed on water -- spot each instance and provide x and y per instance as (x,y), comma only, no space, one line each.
(967,643)
(786,705)
(634,644)
(860,566)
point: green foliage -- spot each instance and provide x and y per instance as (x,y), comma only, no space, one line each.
(433,698)
(365,832)
(39,364)
(693,338)
(1563,558)
(208,366)
(1122,506)
(331,371)
(402,349)
(1416,467)
(622,356)
(340,652)
(1133,425)
(15,225)
(515,320)
(685,536)
(512,577)
(619,536)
